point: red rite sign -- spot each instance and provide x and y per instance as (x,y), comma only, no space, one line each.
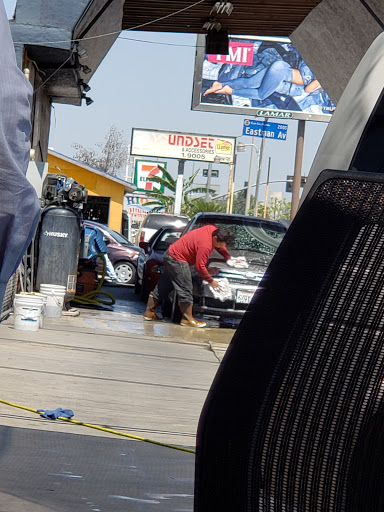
(182,146)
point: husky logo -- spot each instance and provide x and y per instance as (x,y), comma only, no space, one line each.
(56,234)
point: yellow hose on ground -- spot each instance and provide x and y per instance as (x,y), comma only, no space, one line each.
(90,297)
(104,429)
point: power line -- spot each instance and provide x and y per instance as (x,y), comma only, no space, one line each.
(161,43)
(116,32)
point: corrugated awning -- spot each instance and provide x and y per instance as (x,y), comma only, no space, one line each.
(249,17)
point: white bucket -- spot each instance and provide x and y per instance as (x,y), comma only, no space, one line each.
(27,313)
(55,294)
(35,298)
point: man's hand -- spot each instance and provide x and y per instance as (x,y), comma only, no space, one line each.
(215,284)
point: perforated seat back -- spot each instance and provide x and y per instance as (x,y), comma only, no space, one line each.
(294,419)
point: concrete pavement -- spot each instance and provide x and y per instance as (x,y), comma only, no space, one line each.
(112,369)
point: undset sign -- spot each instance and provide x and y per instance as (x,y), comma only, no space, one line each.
(182,146)
(260,76)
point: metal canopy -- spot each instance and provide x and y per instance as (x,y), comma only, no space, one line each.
(249,17)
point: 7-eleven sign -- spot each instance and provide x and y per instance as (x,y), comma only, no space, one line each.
(145,169)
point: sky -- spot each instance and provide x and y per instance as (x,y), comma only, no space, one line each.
(146,81)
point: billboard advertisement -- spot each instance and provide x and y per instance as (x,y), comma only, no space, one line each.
(262,77)
(182,146)
(145,169)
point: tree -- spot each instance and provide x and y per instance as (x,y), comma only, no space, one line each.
(276,209)
(279,209)
(201,205)
(167,202)
(112,154)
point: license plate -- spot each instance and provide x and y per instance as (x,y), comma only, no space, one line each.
(243,297)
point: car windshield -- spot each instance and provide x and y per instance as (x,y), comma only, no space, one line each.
(166,239)
(158,221)
(120,239)
(254,239)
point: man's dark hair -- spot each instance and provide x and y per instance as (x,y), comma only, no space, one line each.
(223,235)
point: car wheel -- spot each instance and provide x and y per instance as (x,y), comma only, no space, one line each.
(125,272)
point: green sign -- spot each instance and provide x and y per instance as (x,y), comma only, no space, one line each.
(274,113)
(145,169)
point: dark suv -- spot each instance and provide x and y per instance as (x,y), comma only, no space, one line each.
(255,239)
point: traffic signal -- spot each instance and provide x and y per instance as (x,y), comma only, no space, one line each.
(289,182)
(214,173)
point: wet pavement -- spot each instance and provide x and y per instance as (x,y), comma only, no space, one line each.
(126,316)
(114,370)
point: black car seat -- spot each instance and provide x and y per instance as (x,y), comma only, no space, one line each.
(294,418)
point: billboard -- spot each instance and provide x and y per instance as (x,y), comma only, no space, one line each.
(262,77)
(145,169)
(182,146)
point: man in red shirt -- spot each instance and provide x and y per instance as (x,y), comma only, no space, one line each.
(193,248)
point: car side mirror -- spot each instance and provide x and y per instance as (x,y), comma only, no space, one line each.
(144,246)
(106,240)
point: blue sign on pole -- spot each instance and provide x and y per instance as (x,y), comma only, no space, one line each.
(264,129)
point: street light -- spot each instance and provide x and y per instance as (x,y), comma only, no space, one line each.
(216,160)
(241,147)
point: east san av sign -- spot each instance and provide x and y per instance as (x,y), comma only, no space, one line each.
(182,146)
(276,131)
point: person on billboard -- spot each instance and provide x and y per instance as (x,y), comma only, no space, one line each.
(277,77)
(277,69)
(193,248)
(19,204)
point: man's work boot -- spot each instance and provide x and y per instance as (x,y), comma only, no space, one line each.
(188,320)
(150,312)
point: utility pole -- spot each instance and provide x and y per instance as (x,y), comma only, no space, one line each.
(179,187)
(209,176)
(267,189)
(250,178)
(233,183)
(298,165)
(229,193)
(258,176)
(127,162)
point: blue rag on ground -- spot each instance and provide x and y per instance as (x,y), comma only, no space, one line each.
(53,415)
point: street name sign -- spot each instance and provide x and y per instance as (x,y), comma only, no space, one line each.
(265,130)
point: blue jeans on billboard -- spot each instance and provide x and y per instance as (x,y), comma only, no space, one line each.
(275,78)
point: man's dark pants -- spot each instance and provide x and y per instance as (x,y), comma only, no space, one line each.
(177,276)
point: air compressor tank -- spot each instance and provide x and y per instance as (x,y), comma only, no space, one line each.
(59,246)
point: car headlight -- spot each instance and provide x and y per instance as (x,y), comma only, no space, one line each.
(132,254)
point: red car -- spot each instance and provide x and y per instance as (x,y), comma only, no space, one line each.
(150,260)
(122,253)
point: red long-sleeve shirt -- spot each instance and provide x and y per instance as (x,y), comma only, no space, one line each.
(195,247)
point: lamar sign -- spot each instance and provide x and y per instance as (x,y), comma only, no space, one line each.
(182,146)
